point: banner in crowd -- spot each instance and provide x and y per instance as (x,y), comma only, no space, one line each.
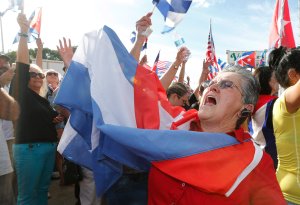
(233,56)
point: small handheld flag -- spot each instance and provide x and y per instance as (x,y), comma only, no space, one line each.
(173,12)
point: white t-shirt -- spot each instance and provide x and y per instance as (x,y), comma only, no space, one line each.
(5,163)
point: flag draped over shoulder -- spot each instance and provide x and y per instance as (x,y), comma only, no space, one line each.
(34,26)
(211,56)
(281,30)
(120,115)
(247,59)
(173,12)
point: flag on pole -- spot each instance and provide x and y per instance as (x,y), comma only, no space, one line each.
(34,26)
(162,67)
(101,59)
(132,36)
(222,64)
(173,12)
(281,29)
(155,62)
(211,56)
(145,46)
(247,59)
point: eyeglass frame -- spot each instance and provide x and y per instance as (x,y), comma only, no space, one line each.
(52,73)
(222,85)
(35,74)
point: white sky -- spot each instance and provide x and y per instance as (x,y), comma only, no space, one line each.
(236,25)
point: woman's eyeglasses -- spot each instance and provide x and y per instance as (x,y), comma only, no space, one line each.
(223,84)
(52,73)
(34,75)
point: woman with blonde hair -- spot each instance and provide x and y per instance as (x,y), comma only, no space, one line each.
(35,136)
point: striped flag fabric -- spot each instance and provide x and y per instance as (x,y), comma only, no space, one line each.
(162,67)
(222,64)
(211,56)
(173,12)
(102,134)
(34,27)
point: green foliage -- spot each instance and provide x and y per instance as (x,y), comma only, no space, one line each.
(48,54)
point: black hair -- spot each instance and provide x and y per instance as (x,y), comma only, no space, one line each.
(281,60)
(263,75)
(178,88)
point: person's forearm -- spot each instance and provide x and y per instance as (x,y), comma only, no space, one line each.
(39,57)
(9,108)
(168,77)
(136,50)
(23,53)
(182,73)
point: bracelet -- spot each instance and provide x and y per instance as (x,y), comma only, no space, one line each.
(176,67)
(25,35)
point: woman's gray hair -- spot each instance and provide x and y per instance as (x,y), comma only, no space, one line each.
(250,89)
(250,85)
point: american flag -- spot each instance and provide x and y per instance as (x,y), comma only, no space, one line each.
(162,67)
(211,56)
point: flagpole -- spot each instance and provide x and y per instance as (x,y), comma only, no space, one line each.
(2,42)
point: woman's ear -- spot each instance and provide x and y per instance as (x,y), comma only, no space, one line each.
(293,76)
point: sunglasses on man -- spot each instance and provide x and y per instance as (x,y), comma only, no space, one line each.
(34,75)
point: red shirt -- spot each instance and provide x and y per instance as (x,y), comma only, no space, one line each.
(260,187)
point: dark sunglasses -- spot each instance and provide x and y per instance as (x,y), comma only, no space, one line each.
(52,73)
(223,84)
(34,75)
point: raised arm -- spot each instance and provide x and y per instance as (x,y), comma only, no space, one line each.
(141,26)
(182,72)
(39,53)
(23,53)
(203,76)
(65,51)
(168,77)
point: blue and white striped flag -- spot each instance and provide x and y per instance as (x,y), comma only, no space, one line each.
(173,12)
(113,99)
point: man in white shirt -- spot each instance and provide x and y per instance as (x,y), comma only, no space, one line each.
(9,110)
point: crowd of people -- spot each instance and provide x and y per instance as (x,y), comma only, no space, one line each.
(262,167)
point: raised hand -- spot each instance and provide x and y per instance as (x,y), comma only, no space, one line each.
(142,25)
(65,51)
(23,23)
(6,77)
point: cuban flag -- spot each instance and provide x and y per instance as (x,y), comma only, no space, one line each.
(247,59)
(34,27)
(222,64)
(281,29)
(120,115)
(173,12)
(261,126)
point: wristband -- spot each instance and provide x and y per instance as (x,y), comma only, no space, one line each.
(25,35)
